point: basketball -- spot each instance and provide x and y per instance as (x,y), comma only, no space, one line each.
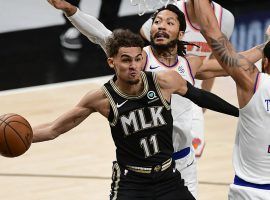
(15,135)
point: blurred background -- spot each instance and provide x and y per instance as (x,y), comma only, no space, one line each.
(39,47)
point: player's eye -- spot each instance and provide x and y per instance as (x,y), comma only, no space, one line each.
(157,21)
(138,59)
(125,60)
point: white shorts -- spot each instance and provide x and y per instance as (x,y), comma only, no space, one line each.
(197,130)
(238,192)
(188,169)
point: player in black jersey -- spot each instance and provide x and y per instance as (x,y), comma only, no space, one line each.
(137,106)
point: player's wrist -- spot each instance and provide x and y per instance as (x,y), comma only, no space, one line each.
(69,10)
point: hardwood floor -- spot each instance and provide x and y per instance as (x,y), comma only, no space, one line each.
(77,165)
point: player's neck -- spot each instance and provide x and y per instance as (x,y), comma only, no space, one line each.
(167,57)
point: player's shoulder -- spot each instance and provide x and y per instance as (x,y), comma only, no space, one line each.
(96,96)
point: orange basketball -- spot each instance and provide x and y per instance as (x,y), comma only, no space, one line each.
(15,135)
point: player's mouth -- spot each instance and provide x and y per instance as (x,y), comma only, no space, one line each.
(161,36)
(133,73)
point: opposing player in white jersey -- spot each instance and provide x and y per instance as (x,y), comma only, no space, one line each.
(251,155)
(192,34)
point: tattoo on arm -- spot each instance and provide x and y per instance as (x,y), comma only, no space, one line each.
(227,55)
(223,49)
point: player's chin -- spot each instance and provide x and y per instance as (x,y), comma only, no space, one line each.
(133,81)
(133,78)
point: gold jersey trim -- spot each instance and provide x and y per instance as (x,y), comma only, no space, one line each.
(163,100)
(115,111)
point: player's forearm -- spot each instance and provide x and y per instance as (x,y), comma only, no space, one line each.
(43,133)
(254,54)
(205,16)
(211,74)
(91,27)
(210,101)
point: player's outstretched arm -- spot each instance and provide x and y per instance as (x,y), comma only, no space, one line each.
(236,65)
(171,82)
(91,102)
(91,27)
(211,67)
(88,25)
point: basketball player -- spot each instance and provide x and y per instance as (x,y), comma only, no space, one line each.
(137,107)
(159,59)
(251,155)
(193,35)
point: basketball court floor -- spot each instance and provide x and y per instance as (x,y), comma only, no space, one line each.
(77,165)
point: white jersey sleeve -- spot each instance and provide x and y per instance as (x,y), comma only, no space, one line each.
(146,27)
(91,27)
(227,23)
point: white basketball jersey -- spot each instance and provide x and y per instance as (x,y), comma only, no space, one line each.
(251,156)
(193,33)
(181,107)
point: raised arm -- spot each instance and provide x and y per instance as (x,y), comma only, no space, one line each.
(91,102)
(236,65)
(211,67)
(88,25)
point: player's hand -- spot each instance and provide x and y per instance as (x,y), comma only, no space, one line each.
(59,4)
(267,34)
(63,5)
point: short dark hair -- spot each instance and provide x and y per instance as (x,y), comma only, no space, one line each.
(180,15)
(266,50)
(122,38)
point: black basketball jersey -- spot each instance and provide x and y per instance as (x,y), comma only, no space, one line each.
(141,126)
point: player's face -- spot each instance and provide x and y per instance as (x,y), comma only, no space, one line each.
(165,28)
(128,64)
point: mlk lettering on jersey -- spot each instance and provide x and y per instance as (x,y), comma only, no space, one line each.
(136,120)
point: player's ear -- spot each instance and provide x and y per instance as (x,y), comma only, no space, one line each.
(181,35)
(110,62)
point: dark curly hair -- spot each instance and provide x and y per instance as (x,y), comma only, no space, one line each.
(180,15)
(122,38)
(266,50)
(181,49)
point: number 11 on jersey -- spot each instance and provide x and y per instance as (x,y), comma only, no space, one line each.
(146,144)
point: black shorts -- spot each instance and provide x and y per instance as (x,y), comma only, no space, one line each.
(163,185)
